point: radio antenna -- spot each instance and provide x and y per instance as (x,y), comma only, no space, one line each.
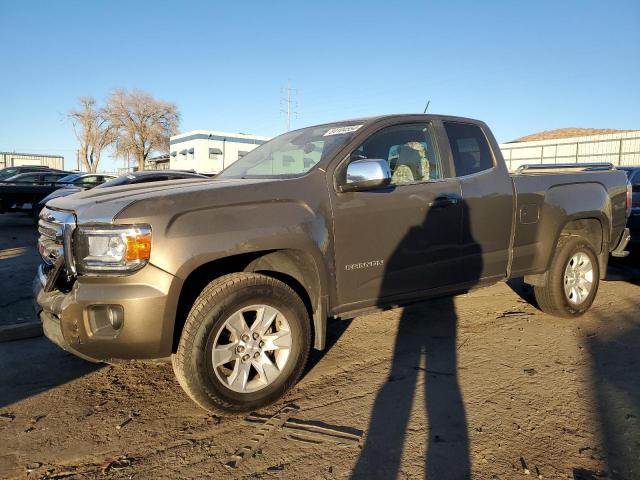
(425,108)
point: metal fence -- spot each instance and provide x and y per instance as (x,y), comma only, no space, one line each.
(618,149)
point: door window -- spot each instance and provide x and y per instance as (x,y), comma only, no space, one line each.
(410,150)
(51,178)
(471,153)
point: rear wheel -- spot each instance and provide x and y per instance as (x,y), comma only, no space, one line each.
(572,280)
(244,343)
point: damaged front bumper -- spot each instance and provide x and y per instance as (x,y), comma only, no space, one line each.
(144,303)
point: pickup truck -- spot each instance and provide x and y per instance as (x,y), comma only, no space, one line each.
(233,279)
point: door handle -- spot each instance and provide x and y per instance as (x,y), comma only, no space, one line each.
(444,201)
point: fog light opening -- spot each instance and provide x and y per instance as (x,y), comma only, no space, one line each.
(116,317)
(105,320)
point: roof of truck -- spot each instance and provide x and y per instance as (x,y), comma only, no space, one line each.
(377,118)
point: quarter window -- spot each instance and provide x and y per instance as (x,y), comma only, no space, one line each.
(409,149)
(471,153)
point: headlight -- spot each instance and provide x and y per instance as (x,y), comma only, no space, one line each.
(112,249)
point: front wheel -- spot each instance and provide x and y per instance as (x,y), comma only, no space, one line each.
(245,342)
(572,280)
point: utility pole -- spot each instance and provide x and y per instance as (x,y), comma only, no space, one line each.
(291,104)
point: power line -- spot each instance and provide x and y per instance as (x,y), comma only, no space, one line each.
(291,104)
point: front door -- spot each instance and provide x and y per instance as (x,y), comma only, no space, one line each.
(404,238)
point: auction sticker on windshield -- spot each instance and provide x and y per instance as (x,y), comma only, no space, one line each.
(342,130)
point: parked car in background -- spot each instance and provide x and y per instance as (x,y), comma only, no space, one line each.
(136,177)
(11,171)
(76,182)
(21,192)
(633,174)
(85,180)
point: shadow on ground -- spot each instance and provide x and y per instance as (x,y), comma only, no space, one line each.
(614,355)
(335,329)
(615,362)
(30,367)
(425,348)
(18,262)
(27,367)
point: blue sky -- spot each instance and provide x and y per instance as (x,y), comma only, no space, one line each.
(520,66)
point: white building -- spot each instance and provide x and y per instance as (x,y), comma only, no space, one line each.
(209,151)
(620,149)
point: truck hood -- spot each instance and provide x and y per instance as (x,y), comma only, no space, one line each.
(102,205)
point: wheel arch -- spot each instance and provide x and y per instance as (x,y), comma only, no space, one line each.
(594,229)
(297,268)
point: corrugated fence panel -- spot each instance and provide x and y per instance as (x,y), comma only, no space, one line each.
(617,148)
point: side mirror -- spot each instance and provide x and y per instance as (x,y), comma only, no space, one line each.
(367,174)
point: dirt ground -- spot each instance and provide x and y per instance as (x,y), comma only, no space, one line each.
(18,261)
(479,386)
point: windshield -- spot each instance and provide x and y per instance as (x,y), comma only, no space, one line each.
(292,154)
(69,178)
(8,172)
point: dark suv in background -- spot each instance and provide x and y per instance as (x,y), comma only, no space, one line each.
(11,171)
(633,174)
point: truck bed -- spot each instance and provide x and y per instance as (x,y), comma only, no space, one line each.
(543,198)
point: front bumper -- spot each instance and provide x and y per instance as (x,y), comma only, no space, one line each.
(146,298)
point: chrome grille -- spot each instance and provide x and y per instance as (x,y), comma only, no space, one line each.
(56,229)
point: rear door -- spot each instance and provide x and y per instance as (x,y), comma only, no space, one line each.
(488,200)
(404,238)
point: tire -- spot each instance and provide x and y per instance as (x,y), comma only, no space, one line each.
(213,326)
(552,297)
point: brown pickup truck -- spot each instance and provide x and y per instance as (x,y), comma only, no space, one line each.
(234,278)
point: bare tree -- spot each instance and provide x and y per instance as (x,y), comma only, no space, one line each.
(143,123)
(93,131)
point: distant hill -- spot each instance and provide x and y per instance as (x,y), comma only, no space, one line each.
(566,133)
